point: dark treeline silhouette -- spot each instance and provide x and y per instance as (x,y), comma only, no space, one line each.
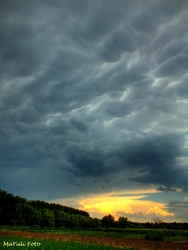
(15,210)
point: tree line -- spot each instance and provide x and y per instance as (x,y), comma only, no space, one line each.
(15,210)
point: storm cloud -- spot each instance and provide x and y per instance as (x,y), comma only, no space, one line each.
(93,94)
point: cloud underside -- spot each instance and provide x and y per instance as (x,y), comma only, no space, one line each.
(93,97)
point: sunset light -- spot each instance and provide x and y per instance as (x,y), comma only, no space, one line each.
(94,105)
(126,205)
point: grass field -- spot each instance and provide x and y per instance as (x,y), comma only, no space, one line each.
(18,243)
(17,238)
(169,234)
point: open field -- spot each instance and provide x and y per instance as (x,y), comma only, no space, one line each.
(130,233)
(88,240)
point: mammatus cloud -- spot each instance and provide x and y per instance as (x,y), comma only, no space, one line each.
(93,98)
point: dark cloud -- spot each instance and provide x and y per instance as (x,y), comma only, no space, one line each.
(119,109)
(157,160)
(93,91)
(166,189)
(172,50)
(78,124)
(174,67)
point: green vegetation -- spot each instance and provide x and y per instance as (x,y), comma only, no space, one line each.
(157,236)
(19,243)
(15,210)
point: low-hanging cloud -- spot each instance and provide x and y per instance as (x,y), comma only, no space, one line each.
(95,92)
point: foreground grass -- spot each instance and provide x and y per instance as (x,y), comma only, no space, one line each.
(19,243)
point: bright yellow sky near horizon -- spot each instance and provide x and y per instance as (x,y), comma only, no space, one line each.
(118,204)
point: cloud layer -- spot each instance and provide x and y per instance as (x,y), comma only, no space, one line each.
(93,96)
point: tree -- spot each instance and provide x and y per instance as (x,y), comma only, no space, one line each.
(47,218)
(108,221)
(59,218)
(157,220)
(122,222)
(31,215)
(95,222)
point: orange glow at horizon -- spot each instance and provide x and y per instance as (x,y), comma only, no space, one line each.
(107,204)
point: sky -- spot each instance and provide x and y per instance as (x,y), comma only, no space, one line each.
(94,105)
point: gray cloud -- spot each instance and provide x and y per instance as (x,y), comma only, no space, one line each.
(157,160)
(162,189)
(93,92)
